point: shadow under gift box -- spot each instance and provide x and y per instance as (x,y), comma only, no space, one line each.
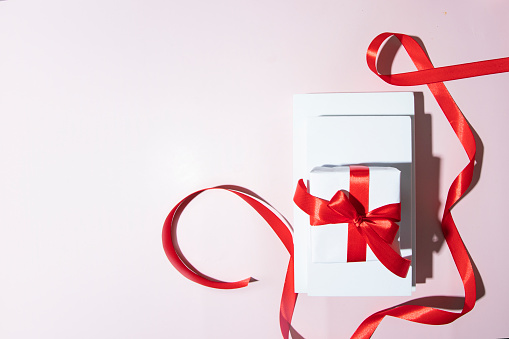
(340,129)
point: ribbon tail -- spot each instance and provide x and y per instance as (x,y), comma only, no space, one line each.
(387,256)
(178,260)
(385,228)
(426,74)
(288,300)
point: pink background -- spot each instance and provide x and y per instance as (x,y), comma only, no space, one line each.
(112,111)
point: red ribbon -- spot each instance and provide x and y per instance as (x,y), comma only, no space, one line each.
(432,77)
(177,259)
(359,197)
(377,227)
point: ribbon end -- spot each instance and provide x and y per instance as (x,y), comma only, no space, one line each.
(405,267)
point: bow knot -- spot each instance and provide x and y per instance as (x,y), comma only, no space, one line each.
(358,220)
(341,210)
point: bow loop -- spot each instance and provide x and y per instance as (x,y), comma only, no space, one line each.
(341,205)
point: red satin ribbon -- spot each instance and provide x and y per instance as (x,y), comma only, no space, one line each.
(377,227)
(359,197)
(170,246)
(432,77)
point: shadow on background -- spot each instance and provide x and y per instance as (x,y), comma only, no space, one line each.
(429,237)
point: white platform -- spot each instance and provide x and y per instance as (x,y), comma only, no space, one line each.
(354,128)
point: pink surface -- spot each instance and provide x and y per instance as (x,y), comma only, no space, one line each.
(112,111)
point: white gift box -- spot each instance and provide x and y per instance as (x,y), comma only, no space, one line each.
(329,243)
(339,129)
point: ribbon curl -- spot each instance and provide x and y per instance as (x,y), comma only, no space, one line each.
(378,227)
(177,259)
(427,74)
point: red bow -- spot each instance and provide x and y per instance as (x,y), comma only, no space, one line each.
(378,227)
